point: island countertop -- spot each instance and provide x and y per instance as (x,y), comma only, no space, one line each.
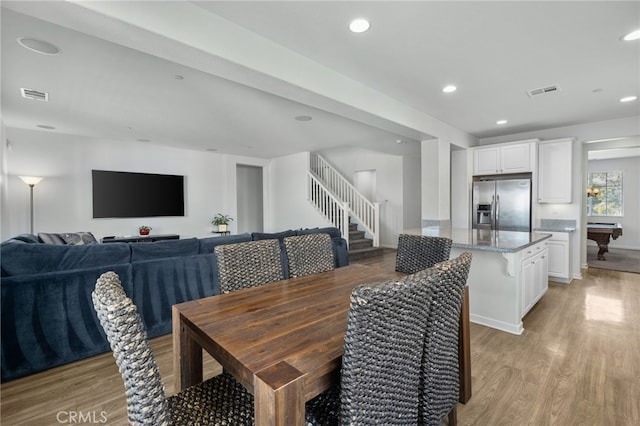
(483,239)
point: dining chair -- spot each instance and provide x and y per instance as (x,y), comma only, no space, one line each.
(309,254)
(440,381)
(218,401)
(383,347)
(417,252)
(248,264)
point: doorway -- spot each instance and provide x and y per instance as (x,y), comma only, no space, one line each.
(612,178)
(249,199)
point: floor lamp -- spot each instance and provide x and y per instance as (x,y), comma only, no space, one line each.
(31,181)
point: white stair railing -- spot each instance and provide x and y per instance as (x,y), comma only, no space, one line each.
(336,211)
(364,211)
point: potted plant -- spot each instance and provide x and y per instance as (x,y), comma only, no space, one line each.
(144,230)
(221,221)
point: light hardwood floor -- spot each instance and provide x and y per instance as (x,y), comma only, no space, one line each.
(577,363)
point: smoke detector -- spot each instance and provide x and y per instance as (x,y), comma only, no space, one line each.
(543,90)
(36,95)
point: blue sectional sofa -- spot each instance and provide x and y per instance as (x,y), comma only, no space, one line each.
(47,314)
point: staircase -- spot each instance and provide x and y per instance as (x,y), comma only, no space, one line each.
(360,247)
(339,202)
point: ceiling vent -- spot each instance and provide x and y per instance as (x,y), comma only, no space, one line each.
(543,90)
(34,94)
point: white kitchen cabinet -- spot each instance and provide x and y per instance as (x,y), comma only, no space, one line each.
(560,257)
(504,158)
(534,275)
(554,171)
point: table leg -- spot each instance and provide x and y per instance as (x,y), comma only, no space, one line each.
(187,356)
(279,396)
(464,350)
(603,249)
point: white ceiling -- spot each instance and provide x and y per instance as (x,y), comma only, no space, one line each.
(250,67)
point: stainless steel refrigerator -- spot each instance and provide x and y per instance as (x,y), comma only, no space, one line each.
(502,203)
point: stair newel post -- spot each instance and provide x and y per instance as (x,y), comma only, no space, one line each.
(345,222)
(376,224)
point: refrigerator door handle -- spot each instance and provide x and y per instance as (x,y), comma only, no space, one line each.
(497,212)
(493,212)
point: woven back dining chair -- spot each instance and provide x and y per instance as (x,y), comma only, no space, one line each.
(218,401)
(440,380)
(250,264)
(417,252)
(383,348)
(309,254)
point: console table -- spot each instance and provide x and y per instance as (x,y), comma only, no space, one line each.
(140,238)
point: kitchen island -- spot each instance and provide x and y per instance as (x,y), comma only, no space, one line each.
(509,272)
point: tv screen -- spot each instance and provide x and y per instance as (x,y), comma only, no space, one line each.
(126,194)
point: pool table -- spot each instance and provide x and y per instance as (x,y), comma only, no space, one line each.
(602,233)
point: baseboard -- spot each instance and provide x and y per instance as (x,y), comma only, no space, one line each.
(560,280)
(498,325)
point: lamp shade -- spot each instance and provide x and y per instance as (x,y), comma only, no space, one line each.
(31,180)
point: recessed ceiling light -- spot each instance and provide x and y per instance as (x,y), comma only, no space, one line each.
(211,149)
(500,122)
(633,35)
(598,90)
(38,46)
(399,141)
(303,118)
(143,140)
(45,126)
(359,25)
(628,98)
(178,77)
(449,89)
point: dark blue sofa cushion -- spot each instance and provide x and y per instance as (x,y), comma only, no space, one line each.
(24,258)
(331,230)
(340,252)
(48,319)
(208,244)
(159,284)
(163,249)
(270,236)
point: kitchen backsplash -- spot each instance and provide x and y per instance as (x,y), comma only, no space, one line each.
(557,223)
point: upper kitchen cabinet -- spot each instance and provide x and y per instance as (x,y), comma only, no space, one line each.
(504,158)
(554,171)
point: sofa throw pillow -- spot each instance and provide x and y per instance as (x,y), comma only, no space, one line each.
(332,231)
(78,238)
(49,238)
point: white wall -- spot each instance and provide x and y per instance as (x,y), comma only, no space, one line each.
(63,200)
(288,206)
(460,189)
(389,184)
(4,183)
(436,180)
(630,220)
(412,187)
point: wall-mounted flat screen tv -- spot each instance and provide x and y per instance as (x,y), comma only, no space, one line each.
(126,194)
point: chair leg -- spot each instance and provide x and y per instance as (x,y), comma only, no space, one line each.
(453,416)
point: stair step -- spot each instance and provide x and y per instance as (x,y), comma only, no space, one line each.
(356,235)
(353,226)
(364,253)
(360,244)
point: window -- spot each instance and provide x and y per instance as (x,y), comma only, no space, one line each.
(608,201)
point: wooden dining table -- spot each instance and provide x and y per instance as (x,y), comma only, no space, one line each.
(283,341)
